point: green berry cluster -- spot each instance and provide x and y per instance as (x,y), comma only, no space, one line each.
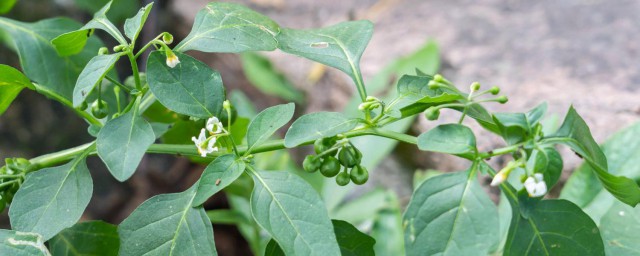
(11,177)
(332,157)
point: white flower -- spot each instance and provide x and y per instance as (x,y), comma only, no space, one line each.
(214,126)
(499,178)
(535,185)
(172,60)
(204,147)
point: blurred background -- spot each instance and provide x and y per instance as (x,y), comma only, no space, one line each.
(581,53)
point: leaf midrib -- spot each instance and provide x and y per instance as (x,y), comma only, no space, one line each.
(298,233)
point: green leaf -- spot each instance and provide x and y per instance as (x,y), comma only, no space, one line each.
(452,139)
(132,26)
(228,27)
(12,82)
(121,9)
(181,132)
(482,116)
(387,228)
(516,127)
(317,125)
(6,6)
(264,76)
(122,142)
(414,96)
(166,224)
(268,122)
(219,174)
(273,249)
(583,188)
(339,46)
(412,89)
(39,59)
(553,227)
(350,239)
(292,212)
(52,199)
(619,227)
(16,243)
(91,75)
(73,42)
(227,216)
(191,88)
(87,238)
(450,214)
(351,211)
(553,168)
(575,133)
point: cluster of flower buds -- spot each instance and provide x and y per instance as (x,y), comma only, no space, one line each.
(370,103)
(440,83)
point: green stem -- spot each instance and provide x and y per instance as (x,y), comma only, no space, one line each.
(114,81)
(190,150)
(146,46)
(53,95)
(10,176)
(134,68)
(9,183)
(500,151)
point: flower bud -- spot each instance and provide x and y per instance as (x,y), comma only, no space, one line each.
(119,48)
(438,78)
(475,86)
(172,59)
(502,99)
(494,90)
(103,51)
(226,104)
(433,84)
(167,38)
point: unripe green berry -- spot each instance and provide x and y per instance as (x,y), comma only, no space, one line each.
(438,78)
(359,175)
(343,178)
(502,99)
(349,156)
(432,113)
(99,109)
(318,146)
(330,166)
(311,163)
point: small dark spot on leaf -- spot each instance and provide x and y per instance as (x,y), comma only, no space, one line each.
(577,154)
